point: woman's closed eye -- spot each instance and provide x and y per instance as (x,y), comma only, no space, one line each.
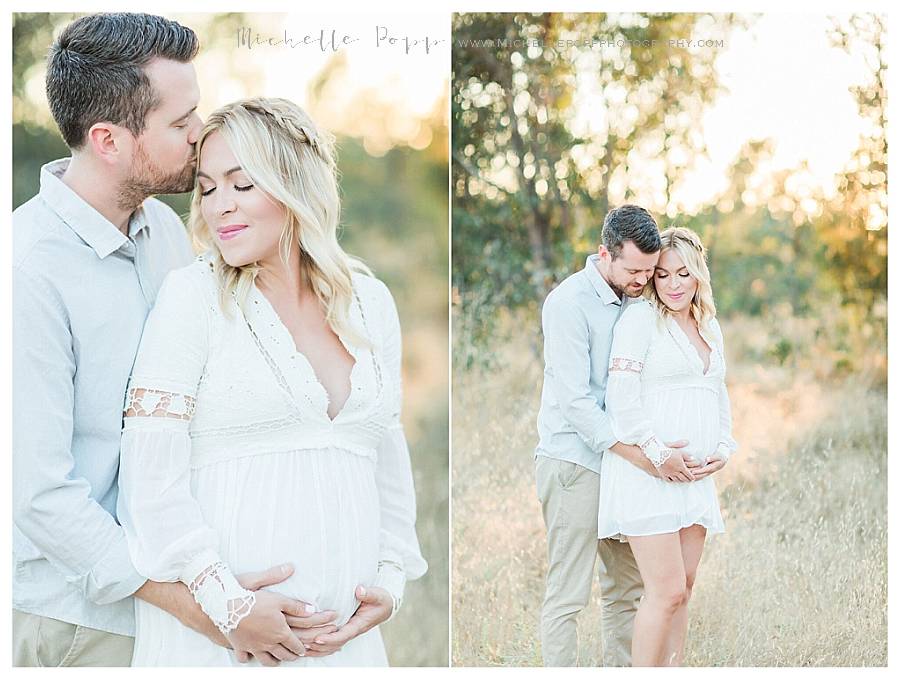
(207,192)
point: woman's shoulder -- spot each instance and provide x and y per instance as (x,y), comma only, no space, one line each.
(196,280)
(716,330)
(201,269)
(639,311)
(372,291)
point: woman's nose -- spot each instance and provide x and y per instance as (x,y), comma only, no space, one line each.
(225,204)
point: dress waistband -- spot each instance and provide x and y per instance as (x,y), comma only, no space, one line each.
(679,382)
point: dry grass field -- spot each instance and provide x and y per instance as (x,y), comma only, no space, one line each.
(798,579)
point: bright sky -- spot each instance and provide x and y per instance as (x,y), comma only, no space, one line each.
(386,57)
(785,81)
(782,79)
(401,63)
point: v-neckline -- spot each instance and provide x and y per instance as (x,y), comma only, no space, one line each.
(708,367)
(282,329)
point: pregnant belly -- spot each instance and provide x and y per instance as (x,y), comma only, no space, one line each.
(317,510)
(688,414)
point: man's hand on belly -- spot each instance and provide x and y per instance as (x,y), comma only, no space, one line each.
(375,606)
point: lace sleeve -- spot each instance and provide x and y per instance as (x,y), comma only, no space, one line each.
(218,593)
(631,342)
(144,402)
(168,537)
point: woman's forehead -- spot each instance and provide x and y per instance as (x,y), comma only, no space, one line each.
(670,259)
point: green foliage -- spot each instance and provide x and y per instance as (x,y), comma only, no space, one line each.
(528,207)
(527,176)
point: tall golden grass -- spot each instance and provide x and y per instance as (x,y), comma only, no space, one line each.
(798,579)
(419,634)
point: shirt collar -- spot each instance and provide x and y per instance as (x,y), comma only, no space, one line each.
(92,227)
(599,283)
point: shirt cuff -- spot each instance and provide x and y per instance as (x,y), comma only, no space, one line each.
(601,443)
(113,577)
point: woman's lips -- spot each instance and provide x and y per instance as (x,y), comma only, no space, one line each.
(230,231)
(676,296)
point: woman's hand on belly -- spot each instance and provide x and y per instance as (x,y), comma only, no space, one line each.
(308,628)
(375,607)
(713,464)
(305,627)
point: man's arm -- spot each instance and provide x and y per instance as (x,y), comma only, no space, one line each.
(636,456)
(176,599)
(567,354)
(567,351)
(52,506)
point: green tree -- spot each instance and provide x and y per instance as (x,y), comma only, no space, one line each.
(531,181)
(854,225)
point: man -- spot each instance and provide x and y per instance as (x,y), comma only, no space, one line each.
(577,320)
(89,254)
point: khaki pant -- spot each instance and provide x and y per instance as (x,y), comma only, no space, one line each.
(570,497)
(42,641)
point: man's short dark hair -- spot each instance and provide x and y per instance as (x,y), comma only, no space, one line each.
(95,70)
(630,223)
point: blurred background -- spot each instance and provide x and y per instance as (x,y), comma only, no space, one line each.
(388,109)
(766,135)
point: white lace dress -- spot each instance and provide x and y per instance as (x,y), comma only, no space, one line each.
(659,392)
(230,464)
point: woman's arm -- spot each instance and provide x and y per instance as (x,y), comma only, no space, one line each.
(168,538)
(400,558)
(727,445)
(631,342)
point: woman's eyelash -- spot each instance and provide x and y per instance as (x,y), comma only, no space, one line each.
(236,188)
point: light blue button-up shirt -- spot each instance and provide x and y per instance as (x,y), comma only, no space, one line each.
(577,319)
(81,293)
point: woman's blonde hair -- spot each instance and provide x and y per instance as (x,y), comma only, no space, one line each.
(283,153)
(687,244)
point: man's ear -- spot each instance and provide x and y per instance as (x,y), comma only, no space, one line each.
(105,142)
(603,252)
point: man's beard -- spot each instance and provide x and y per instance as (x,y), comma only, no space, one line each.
(627,291)
(146,179)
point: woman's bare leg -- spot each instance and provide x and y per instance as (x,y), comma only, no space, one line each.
(661,564)
(692,540)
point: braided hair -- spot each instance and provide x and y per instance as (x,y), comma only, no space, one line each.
(288,157)
(690,249)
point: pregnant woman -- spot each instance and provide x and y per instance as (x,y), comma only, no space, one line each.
(262,420)
(667,382)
